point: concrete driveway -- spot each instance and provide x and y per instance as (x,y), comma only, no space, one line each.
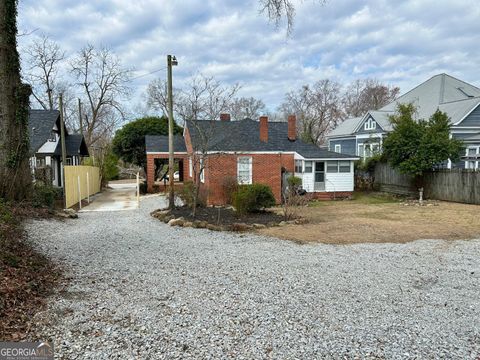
(117,197)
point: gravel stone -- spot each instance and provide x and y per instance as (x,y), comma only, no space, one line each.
(140,289)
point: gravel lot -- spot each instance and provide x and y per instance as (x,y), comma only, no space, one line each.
(139,289)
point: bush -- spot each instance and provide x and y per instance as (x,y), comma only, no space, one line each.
(45,195)
(230,187)
(253,198)
(187,194)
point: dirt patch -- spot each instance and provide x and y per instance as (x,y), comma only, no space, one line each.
(26,276)
(227,216)
(378,219)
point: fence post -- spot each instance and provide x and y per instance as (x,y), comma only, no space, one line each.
(88,186)
(79,193)
(138,189)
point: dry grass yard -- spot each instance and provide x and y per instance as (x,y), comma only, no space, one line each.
(377,218)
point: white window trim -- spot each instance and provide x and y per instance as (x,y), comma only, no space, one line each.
(202,172)
(301,166)
(467,161)
(338,148)
(370,124)
(190,167)
(362,145)
(249,182)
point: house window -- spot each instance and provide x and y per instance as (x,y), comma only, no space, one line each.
(368,150)
(338,148)
(332,166)
(202,172)
(244,170)
(370,124)
(472,154)
(298,166)
(190,167)
(344,166)
(308,166)
(40,162)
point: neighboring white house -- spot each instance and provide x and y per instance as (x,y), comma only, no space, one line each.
(45,145)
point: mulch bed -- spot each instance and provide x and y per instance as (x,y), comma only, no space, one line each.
(26,276)
(227,216)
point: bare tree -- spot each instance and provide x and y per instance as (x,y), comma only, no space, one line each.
(241,108)
(104,82)
(318,109)
(157,96)
(276,10)
(368,94)
(204,98)
(45,58)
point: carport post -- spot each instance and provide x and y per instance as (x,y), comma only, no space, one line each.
(79,193)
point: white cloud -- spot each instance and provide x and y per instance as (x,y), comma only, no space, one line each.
(402,43)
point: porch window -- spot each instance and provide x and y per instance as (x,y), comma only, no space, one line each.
(298,166)
(368,150)
(332,166)
(244,170)
(308,166)
(344,166)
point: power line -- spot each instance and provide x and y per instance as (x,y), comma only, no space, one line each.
(150,73)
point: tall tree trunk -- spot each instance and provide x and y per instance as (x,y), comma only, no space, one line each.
(15,177)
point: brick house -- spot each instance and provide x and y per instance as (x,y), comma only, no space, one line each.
(250,152)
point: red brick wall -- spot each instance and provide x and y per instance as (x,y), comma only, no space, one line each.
(266,169)
(151,168)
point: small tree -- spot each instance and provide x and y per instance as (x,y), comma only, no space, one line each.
(415,147)
(129,141)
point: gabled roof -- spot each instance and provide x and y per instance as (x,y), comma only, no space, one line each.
(451,95)
(41,123)
(346,127)
(159,143)
(74,145)
(244,136)
(437,90)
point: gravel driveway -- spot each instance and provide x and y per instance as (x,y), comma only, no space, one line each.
(140,289)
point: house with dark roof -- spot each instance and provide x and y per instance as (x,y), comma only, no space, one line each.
(363,136)
(45,145)
(251,152)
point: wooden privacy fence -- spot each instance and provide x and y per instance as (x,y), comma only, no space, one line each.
(80,183)
(457,185)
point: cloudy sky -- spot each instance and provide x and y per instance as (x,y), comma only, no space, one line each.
(398,42)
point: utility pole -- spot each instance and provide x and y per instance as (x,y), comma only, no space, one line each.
(80,118)
(64,148)
(171,61)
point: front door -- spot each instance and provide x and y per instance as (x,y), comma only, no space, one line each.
(319,176)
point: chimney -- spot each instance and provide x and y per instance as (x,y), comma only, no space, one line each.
(224,117)
(292,127)
(264,128)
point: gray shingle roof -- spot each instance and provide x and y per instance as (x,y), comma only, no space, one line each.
(452,96)
(40,127)
(159,143)
(347,127)
(74,144)
(244,136)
